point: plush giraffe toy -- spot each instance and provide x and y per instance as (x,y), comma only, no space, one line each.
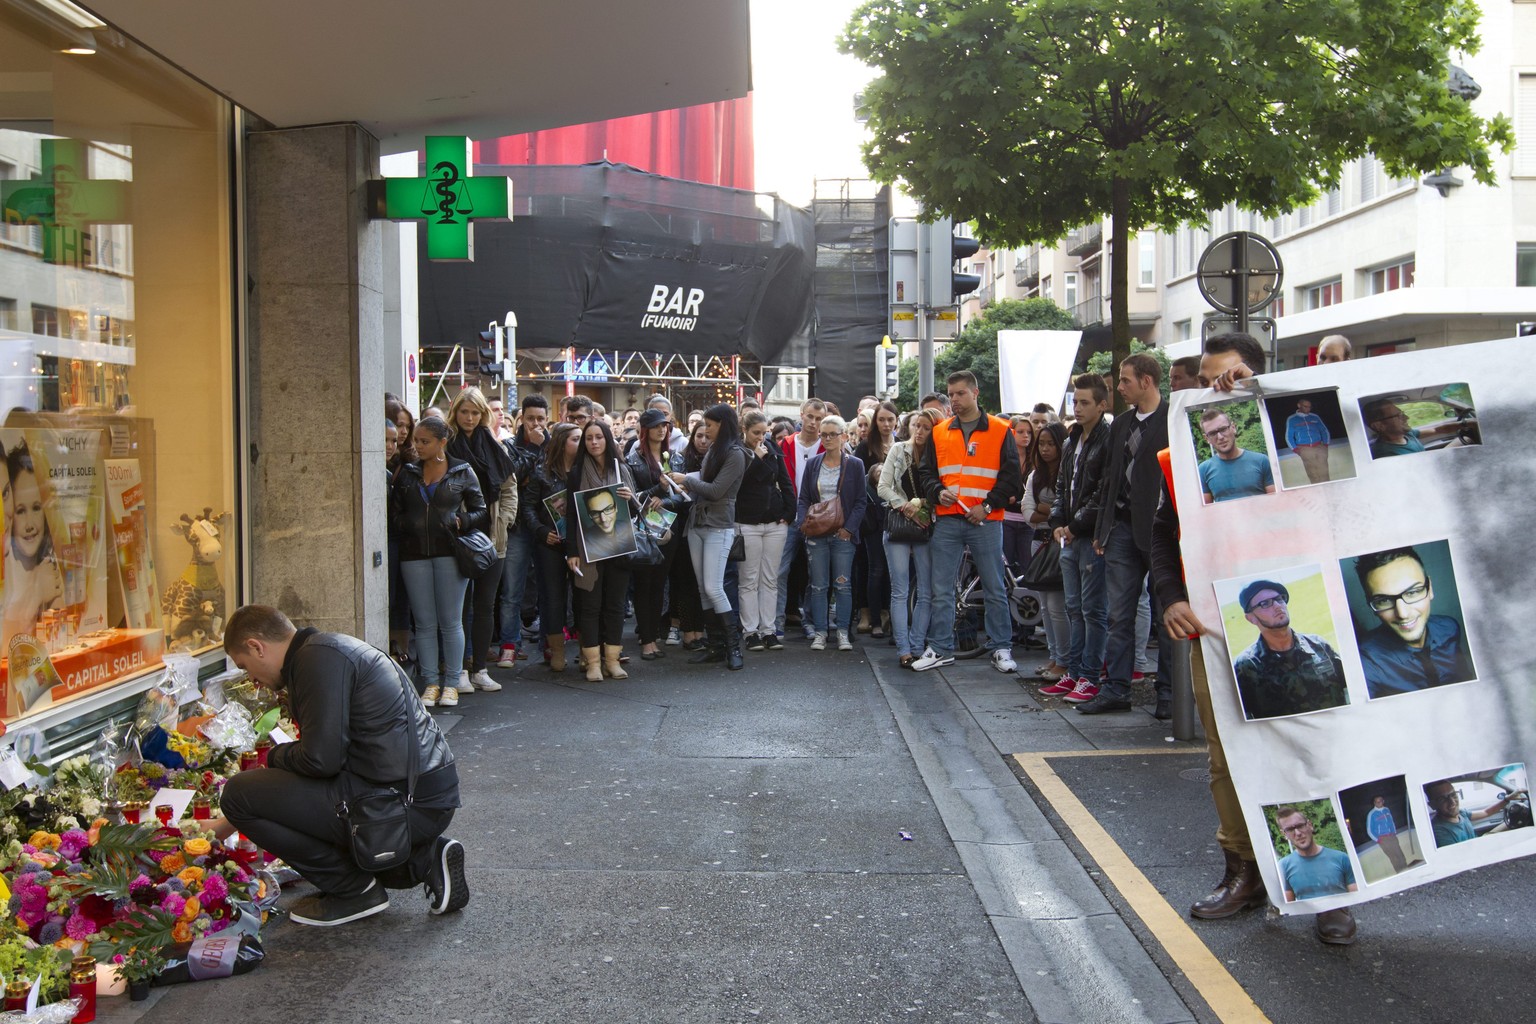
(193,605)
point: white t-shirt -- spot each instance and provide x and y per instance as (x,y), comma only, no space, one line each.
(802,456)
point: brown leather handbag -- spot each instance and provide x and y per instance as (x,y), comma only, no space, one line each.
(826,517)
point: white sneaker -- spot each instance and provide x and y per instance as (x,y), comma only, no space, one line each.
(931,660)
(818,641)
(483,681)
(465,685)
(1003,661)
(450,698)
(843,643)
(674,636)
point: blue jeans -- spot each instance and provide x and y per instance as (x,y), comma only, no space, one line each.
(436,591)
(1125,571)
(793,541)
(831,565)
(515,569)
(1082,577)
(952,534)
(911,568)
(710,549)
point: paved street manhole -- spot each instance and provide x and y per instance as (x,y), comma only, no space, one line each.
(1196,775)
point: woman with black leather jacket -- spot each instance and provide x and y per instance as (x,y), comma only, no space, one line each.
(547,480)
(654,490)
(684,609)
(430,501)
(764,506)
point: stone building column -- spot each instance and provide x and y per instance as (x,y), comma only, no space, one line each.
(315,359)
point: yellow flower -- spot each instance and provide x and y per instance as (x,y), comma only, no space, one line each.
(190,876)
(41,839)
(172,863)
(192,909)
(197,847)
(182,932)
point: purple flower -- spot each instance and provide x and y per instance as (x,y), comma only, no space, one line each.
(79,927)
(139,883)
(51,932)
(173,903)
(73,843)
(218,925)
(214,888)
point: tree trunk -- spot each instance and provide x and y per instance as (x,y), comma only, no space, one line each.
(1119,281)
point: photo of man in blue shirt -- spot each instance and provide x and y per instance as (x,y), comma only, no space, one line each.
(1307,435)
(1412,649)
(1231,472)
(1310,870)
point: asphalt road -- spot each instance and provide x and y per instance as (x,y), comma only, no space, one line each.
(692,845)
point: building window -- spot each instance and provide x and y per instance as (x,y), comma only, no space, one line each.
(1391,277)
(1069,284)
(1276,309)
(1317,296)
(1184,329)
(1525,125)
(1334,201)
(117,401)
(1045,288)
(1525,264)
(1146,260)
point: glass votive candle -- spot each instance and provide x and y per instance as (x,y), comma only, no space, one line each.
(164,813)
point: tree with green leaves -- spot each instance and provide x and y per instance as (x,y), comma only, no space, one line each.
(975,348)
(1033,117)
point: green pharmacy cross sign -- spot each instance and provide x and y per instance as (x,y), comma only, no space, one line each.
(448,199)
(63,202)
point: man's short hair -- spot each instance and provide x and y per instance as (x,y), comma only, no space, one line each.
(934,396)
(1144,365)
(1339,339)
(1189,364)
(535,401)
(1044,407)
(1092,382)
(1373,411)
(570,403)
(256,622)
(1289,812)
(1367,564)
(1212,413)
(965,377)
(1244,344)
(813,405)
(1257,587)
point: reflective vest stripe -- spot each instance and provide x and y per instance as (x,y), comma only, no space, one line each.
(975,492)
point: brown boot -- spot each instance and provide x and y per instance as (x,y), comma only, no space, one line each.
(1239,889)
(556,642)
(1336,927)
(592,661)
(611,666)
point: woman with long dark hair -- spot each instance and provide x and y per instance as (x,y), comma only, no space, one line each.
(712,528)
(648,461)
(683,607)
(871,576)
(1018,534)
(1039,493)
(548,481)
(432,500)
(764,506)
(471,439)
(601,586)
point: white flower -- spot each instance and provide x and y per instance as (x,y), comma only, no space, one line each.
(90,807)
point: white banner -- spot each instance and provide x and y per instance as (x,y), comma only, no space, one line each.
(1034,366)
(1356,541)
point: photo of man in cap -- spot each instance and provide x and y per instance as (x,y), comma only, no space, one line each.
(1284,672)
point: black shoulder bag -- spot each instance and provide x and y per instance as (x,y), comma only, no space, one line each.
(378,817)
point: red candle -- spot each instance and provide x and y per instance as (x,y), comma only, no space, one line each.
(131,813)
(202,810)
(163,812)
(248,760)
(82,986)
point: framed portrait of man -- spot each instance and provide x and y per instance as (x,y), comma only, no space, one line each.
(604,528)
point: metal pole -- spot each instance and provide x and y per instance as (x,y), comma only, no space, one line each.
(924,311)
(1240,267)
(1183,690)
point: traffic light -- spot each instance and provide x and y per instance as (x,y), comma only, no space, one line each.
(489,354)
(887,369)
(945,248)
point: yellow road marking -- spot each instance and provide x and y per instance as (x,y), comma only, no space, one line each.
(1226,998)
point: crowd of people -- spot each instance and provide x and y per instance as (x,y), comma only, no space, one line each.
(830,527)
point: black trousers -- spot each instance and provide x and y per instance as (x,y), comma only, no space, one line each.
(651,593)
(294,817)
(480,608)
(600,611)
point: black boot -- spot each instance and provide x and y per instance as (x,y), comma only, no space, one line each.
(731,626)
(714,644)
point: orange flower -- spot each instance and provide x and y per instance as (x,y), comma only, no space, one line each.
(197,847)
(172,863)
(182,932)
(44,840)
(190,876)
(192,909)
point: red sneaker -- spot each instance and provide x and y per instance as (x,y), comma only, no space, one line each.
(1060,688)
(1082,693)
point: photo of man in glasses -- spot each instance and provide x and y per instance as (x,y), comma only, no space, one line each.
(1411,648)
(1232,471)
(1311,870)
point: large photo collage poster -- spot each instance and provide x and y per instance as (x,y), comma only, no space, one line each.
(1355,539)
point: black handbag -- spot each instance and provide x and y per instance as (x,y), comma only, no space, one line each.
(378,817)
(1044,569)
(903,530)
(647,545)
(475,553)
(738,551)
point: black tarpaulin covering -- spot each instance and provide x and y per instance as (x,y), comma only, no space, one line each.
(605,256)
(852,297)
